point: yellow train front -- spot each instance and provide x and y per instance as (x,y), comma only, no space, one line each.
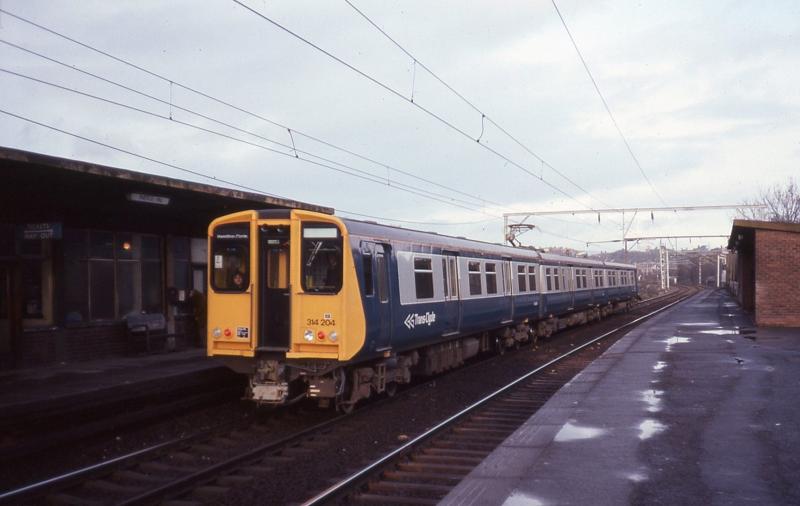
(279,291)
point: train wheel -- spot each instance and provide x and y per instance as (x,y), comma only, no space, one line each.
(344,407)
(342,401)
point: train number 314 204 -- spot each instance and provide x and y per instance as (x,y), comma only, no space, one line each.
(322,323)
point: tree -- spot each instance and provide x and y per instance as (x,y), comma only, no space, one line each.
(782,201)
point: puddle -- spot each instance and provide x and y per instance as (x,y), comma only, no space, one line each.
(571,432)
(659,366)
(721,332)
(636,477)
(676,340)
(699,324)
(653,399)
(518,498)
(729,341)
(650,428)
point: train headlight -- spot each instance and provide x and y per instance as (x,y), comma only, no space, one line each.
(308,335)
(217,332)
(321,335)
(334,336)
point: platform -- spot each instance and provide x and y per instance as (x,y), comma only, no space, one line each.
(25,392)
(693,407)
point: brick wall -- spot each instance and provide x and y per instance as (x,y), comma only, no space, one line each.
(777,265)
(49,346)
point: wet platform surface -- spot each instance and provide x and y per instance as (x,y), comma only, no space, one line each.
(693,407)
(25,391)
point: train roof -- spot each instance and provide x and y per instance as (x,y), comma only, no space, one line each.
(380,231)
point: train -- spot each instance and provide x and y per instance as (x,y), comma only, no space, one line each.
(314,306)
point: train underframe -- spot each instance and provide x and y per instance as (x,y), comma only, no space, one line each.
(277,382)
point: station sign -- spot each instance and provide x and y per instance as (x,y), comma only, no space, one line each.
(148,199)
(39,231)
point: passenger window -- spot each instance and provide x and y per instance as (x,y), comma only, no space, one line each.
(423,278)
(454,277)
(474,278)
(444,276)
(521,279)
(556,280)
(548,277)
(366,262)
(491,279)
(383,280)
(532,278)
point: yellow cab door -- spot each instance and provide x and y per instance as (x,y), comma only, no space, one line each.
(232,317)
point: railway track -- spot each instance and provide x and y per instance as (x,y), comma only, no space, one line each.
(427,468)
(206,468)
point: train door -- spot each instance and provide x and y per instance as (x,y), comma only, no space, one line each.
(452,296)
(275,294)
(508,300)
(571,286)
(383,253)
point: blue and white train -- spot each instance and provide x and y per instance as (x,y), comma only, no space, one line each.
(311,305)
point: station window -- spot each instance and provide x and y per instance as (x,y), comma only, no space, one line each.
(180,255)
(491,279)
(321,258)
(423,278)
(522,279)
(109,275)
(474,269)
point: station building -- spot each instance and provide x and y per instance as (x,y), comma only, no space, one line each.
(764,273)
(82,246)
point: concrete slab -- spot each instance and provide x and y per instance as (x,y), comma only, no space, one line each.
(696,406)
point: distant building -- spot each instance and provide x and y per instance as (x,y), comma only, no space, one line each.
(763,270)
(83,245)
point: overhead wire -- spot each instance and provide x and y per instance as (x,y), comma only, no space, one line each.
(172,165)
(250,113)
(192,89)
(606,106)
(399,95)
(470,104)
(355,172)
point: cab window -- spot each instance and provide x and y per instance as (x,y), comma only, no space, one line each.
(321,258)
(230,258)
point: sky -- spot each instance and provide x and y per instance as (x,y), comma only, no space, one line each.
(706,94)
